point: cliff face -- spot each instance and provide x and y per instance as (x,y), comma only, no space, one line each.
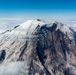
(46,49)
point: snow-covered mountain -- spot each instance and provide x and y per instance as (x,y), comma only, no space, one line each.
(38,48)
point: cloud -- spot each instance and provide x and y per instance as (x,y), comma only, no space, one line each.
(14,68)
(10,23)
(11,19)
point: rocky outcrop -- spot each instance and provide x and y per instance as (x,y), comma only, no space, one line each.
(47,49)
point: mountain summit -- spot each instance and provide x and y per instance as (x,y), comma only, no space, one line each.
(44,49)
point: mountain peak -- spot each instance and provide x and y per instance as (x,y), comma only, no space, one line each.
(44,49)
(64,29)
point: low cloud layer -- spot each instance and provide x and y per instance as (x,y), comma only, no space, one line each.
(9,23)
(14,68)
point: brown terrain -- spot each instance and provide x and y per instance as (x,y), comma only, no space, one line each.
(47,49)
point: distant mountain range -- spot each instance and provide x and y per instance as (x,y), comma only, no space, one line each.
(38,48)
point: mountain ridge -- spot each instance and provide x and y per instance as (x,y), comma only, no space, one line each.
(46,49)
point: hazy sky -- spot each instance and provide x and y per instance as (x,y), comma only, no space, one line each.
(37,8)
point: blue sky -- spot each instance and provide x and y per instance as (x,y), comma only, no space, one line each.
(37,8)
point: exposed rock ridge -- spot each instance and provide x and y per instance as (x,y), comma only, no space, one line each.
(48,49)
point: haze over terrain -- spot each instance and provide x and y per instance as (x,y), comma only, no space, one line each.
(10,23)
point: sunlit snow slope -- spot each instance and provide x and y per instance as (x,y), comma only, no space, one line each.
(38,48)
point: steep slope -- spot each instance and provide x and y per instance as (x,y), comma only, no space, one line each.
(46,49)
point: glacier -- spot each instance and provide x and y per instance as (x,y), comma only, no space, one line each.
(38,48)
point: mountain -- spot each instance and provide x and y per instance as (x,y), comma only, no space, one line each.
(38,48)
